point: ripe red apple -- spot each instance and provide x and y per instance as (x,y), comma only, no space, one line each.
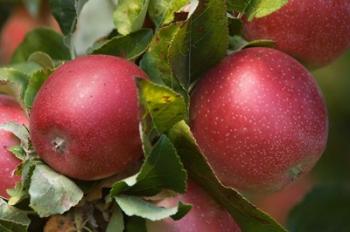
(15,29)
(314,31)
(205,216)
(260,119)
(10,111)
(279,204)
(84,121)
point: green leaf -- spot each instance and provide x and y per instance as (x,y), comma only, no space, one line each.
(44,40)
(162,169)
(165,106)
(237,43)
(200,43)
(136,206)
(326,208)
(42,59)
(13,82)
(34,84)
(156,62)
(52,193)
(20,131)
(247,216)
(20,191)
(12,219)
(65,12)
(18,152)
(116,222)
(162,11)
(129,15)
(256,8)
(129,47)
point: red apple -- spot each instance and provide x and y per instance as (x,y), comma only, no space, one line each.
(279,204)
(205,216)
(10,111)
(84,121)
(15,29)
(260,119)
(314,31)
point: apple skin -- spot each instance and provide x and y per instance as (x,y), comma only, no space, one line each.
(279,204)
(260,119)
(10,111)
(315,32)
(205,216)
(84,122)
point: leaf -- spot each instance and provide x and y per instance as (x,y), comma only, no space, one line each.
(165,106)
(162,11)
(116,222)
(66,13)
(20,131)
(237,43)
(162,169)
(256,8)
(20,191)
(44,40)
(247,216)
(34,84)
(13,82)
(12,219)
(42,59)
(129,47)
(52,193)
(325,208)
(135,206)
(155,62)
(18,152)
(200,43)
(129,15)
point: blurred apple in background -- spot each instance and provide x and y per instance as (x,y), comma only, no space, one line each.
(17,25)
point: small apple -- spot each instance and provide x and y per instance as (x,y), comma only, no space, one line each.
(16,27)
(14,31)
(84,122)
(10,111)
(205,216)
(314,31)
(260,119)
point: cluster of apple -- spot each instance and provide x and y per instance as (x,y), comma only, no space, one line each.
(258,116)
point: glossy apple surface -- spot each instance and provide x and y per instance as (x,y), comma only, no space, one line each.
(10,111)
(205,216)
(314,31)
(260,119)
(84,121)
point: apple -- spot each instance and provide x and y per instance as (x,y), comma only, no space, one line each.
(19,23)
(315,31)
(260,119)
(10,111)
(205,216)
(84,121)
(279,204)
(15,29)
